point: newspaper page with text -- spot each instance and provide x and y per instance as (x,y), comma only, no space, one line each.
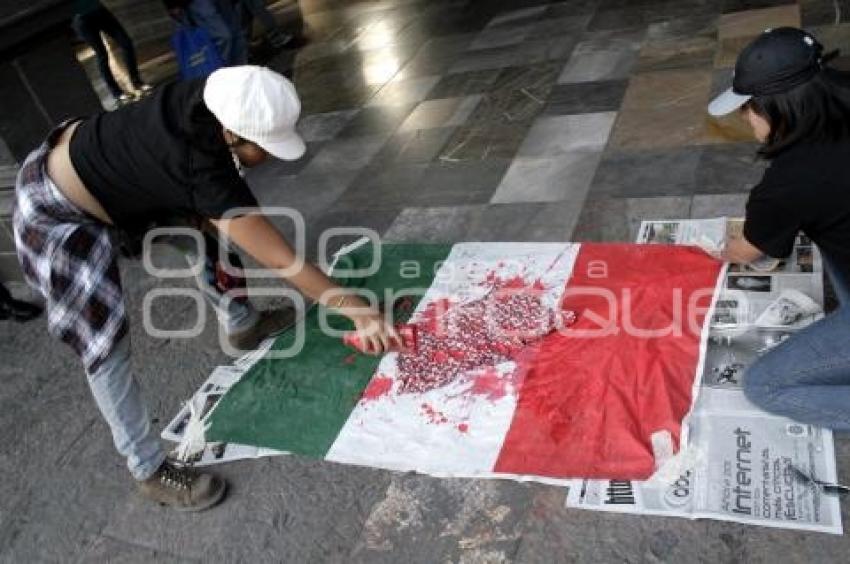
(739,462)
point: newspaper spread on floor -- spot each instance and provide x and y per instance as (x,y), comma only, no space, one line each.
(738,464)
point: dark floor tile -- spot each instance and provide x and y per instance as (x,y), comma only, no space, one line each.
(436,56)
(416,146)
(518,94)
(438,184)
(823,12)
(695,52)
(586,97)
(572,8)
(638,174)
(741,5)
(486,222)
(485,140)
(373,120)
(459,183)
(518,17)
(728,169)
(464,83)
(618,219)
(381,187)
(571,25)
(686,27)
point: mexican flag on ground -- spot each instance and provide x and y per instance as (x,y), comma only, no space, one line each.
(504,382)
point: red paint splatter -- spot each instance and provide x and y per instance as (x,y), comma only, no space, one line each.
(490,384)
(377,388)
(433,415)
(463,427)
(350,359)
(454,340)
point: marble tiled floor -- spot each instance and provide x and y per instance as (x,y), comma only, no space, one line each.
(587,100)
(426,120)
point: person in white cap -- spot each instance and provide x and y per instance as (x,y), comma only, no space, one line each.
(799,109)
(170,159)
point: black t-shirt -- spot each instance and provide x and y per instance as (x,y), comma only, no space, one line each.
(806,188)
(160,158)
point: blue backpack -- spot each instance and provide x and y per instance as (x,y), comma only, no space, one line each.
(197,54)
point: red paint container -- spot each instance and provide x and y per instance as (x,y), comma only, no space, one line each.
(406,332)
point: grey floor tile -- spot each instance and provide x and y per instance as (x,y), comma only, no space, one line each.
(646,173)
(445,112)
(483,59)
(430,225)
(485,140)
(718,205)
(500,36)
(346,154)
(376,120)
(309,193)
(729,168)
(404,92)
(494,222)
(684,27)
(586,97)
(556,135)
(381,187)
(518,17)
(437,184)
(598,65)
(416,146)
(567,26)
(517,94)
(564,177)
(618,219)
(321,127)
(464,83)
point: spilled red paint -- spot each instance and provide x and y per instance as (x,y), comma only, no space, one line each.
(433,415)
(456,340)
(378,387)
(490,384)
(463,427)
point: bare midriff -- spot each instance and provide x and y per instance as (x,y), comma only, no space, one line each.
(63,174)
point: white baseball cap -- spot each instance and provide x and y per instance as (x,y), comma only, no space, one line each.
(259,105)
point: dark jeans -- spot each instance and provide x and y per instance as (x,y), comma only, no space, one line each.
(807,378)
(89,26)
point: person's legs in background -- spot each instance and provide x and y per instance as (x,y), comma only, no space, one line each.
(257,9)
(110,25)
(807,377)
(88,29)
(221,20)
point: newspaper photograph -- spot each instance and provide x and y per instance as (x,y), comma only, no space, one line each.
(741,463)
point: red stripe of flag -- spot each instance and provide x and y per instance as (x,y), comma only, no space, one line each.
(588,406)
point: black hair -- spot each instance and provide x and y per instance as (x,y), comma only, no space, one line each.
(815,112)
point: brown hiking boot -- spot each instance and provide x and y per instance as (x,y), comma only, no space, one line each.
(183,488)
(270,323)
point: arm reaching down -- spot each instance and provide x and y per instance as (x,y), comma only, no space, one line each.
(740,251)
(259,238)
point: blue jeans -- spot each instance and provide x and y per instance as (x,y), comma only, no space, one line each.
(118,395)
(807,378)
(222,21)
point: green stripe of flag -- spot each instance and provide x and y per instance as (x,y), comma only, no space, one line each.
(299,404)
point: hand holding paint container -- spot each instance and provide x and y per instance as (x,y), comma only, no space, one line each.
(407,333)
